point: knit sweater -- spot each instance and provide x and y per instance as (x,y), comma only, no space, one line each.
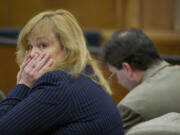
(59,104)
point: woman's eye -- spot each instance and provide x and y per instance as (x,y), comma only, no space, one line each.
(43,46)
(29,47)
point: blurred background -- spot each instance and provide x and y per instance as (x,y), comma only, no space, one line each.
(159,19)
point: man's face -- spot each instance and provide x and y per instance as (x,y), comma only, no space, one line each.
(123,77)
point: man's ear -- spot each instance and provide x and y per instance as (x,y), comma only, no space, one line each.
(127,69)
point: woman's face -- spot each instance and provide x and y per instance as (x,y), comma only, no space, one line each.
(45,41)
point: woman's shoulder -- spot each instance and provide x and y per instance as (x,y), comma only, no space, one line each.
(55,74)
(50,87)
(61,77)
(52,78)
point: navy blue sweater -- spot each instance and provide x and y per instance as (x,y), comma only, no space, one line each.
(58,104)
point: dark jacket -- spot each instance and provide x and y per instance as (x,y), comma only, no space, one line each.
(59,104)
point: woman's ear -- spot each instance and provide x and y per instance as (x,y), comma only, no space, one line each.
(127,69)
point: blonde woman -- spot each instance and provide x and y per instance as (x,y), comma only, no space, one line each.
(60,90)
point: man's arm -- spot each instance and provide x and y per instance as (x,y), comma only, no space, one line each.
(129,117)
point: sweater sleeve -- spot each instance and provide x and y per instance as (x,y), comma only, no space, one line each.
(129,117)
(16,95)
(36,113)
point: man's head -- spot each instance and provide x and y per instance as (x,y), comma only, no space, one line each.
(129,52)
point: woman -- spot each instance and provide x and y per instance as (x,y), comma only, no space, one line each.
(60,90)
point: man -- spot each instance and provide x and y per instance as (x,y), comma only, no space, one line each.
(153,83)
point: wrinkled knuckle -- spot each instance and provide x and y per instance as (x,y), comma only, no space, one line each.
(30,74)
(26,71)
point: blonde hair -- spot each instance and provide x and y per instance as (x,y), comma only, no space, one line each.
(76,55)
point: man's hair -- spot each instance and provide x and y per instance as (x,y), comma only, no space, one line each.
(131,46)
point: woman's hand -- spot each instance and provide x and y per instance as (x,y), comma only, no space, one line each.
(32,68)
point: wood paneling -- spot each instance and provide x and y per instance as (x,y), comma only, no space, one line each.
(8,69)
(119,13)
(90,13)
(157,14)
(176,24)
(131,12)
(101,14)
(24,10)
(5,13)
(166,42)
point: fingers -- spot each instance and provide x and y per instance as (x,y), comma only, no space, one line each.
(33,68)
(41,61)
(38,64)
(29,64)
(24,64)
(46,65)
(26,60)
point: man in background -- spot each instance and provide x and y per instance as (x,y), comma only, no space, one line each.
(153,83)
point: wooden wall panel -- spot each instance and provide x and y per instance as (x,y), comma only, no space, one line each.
(24,10)
(16,13)
(176,23)
(5,13)
(119,13)
(8,69)
(157,14)
(131,12)
(166,42)
(92,14)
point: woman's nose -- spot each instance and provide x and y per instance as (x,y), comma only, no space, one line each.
(34,52)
